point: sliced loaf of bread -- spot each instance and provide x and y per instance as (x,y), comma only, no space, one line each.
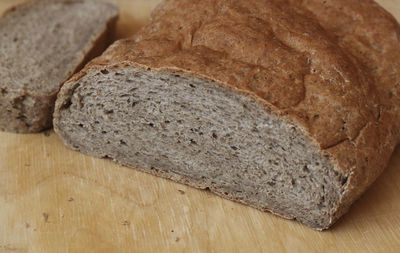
(42,43)
(284,105)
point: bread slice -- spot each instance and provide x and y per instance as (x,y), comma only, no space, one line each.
(286,106)
(42,43)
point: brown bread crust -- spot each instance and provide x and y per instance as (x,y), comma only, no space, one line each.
(331,67)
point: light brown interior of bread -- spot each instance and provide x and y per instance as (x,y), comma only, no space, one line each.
(203,134)
(43,42)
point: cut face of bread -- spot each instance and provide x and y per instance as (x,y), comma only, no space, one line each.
(197,132)
(42,43)
(269,103)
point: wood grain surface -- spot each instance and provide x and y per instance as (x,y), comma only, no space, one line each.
(53,199)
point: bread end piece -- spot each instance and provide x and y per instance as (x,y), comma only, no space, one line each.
(27,98)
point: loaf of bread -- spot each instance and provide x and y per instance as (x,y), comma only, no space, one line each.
(287,106)
(42,43)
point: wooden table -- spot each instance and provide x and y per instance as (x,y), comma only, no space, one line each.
(55,200)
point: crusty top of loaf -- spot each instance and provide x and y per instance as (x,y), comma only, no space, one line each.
(331,66)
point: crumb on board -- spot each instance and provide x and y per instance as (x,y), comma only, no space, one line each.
(70,199)
(45,216)
(176,239)
(27,225)
(181,191)
(126,223)
(8,248)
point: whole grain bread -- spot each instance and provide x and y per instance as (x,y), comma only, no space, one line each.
(288,106)
(42,43)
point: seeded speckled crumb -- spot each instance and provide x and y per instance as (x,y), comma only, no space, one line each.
(42,43)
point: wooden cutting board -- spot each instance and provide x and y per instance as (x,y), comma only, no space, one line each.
(53,199)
